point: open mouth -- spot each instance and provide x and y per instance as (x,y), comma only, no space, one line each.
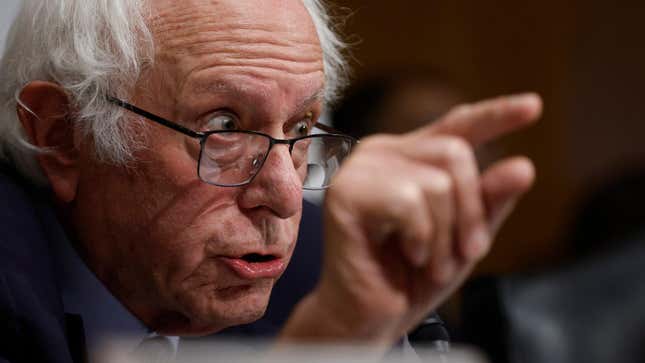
(257,258)
(255,265)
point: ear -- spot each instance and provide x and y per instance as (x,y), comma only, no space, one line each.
(44,111)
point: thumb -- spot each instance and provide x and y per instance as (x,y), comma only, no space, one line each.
(503,184)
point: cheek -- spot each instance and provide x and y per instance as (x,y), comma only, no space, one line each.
(171,210)
(181,234)
(181,222)
(170,187)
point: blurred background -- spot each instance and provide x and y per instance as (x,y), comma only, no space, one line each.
(584,58)
(563,276)
(587,61)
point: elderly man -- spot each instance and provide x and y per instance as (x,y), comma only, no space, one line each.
(173,141)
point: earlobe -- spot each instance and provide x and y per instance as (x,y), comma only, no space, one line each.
(44,111)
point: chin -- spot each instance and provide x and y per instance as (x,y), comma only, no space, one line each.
(224,308)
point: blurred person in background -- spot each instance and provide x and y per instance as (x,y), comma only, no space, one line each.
(588,307)
(153,166)
(400,100)
(396,101)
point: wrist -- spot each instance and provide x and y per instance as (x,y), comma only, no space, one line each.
(323,319)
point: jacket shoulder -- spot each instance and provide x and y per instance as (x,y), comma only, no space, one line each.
(30,305)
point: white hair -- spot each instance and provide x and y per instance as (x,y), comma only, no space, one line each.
(334,64)
(95,48)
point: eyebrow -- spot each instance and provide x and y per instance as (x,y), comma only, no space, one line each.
(239,92)
(315,97)
(219,87)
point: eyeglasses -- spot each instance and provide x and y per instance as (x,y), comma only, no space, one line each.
(232,158)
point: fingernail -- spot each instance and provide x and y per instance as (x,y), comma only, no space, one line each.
(526,95)
(478,243)
(525,98)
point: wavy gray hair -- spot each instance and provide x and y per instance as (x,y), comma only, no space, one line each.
(93,48)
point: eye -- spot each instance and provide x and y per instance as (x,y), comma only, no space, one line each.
(222,122)
(303,127)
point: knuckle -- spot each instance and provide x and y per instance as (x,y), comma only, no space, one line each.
(410,194)
(441,183)
(457,148)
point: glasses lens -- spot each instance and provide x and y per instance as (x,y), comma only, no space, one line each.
(319,157)
(232,158)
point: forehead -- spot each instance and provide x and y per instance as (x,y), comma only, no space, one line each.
(184,25)
(284,13)
(261,39)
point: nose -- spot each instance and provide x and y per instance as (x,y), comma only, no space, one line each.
(276,187)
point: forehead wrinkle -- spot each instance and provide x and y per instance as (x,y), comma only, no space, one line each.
(230,46)
(240,90)
(248,47)
(236,34)
(259,40)
(197,84)
(233,89)
(188,14)
(259,68)
(189,25)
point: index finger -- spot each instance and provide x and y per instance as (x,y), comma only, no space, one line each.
(487,120)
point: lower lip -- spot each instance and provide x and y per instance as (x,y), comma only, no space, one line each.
(255,270)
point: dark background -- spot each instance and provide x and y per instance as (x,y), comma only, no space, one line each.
(584,57)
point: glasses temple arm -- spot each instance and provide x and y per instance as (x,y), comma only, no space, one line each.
(327,129)
(152,117)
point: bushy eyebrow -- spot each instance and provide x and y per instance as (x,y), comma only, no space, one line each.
(316,97)
(219,87)
(238,91)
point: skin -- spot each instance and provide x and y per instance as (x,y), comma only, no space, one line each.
(398,242)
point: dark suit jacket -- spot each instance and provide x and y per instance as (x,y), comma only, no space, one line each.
(33,325)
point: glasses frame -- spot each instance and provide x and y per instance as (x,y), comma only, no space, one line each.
(203,135)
